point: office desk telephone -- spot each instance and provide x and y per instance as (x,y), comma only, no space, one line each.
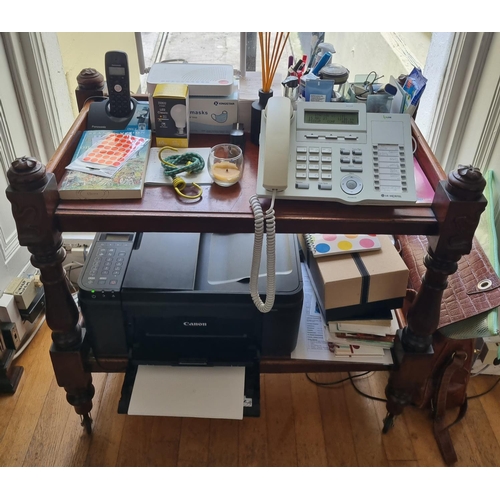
(335,151)
(327,151)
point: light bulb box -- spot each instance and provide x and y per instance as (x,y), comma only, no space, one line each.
(171,115)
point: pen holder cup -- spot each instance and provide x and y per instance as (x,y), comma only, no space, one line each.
(379,103)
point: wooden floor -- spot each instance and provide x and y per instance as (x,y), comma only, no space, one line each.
(300,425)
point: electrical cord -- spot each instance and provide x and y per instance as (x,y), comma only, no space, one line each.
(350,378)
(268,220)
(486,391)
(329,385)
(68,268)
(174,165)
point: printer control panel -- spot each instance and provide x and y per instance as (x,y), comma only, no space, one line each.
(105,268)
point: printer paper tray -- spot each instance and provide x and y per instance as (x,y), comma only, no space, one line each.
(163,397)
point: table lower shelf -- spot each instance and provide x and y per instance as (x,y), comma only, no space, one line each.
(267,365)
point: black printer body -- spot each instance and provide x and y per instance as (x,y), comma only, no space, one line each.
(184,299)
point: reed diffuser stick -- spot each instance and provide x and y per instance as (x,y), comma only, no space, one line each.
(270,57)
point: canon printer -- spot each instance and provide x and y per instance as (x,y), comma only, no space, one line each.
(184,299)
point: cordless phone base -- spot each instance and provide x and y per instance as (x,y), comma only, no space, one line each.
(99,117)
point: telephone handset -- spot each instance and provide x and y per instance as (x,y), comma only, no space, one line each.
(337,152)
(118,81)
(275,153)
(115,112)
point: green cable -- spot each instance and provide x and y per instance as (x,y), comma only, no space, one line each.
(187,162)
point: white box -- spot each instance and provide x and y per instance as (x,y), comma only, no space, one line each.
(202,79)
(9,313)
(213,115)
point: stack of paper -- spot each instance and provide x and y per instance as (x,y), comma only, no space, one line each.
(313,340)
(359,338)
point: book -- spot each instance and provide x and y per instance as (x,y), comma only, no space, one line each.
(336,335)
(127,183)
(360,339)
(379,359)
(355,350)
(369,322)
(321,245)
(341,326)
(373,327)
(105,153)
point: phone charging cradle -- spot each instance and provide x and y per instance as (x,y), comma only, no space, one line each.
(99,118)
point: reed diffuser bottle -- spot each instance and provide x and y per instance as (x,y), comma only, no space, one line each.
(256,117)
(269,60)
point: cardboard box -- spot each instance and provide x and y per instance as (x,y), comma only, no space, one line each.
(344,293)
(213,115)
(171,115)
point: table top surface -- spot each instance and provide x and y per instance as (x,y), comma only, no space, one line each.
(223,209)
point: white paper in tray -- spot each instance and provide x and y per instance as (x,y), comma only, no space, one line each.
(188,391)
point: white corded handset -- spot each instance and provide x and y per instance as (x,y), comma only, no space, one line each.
(277,117)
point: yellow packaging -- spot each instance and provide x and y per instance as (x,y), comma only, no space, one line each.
(171,115)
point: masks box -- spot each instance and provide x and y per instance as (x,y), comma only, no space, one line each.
(171,115)
(358,285)
(213,115)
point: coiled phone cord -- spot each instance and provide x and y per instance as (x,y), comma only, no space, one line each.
(270,225)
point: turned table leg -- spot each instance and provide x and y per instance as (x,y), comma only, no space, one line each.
(33,195)
(458,204)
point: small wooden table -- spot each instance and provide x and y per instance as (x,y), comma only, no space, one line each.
(41,218)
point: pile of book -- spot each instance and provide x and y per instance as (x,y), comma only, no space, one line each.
(359,280)
(359,338)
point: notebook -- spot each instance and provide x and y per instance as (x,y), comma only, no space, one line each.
(332,244)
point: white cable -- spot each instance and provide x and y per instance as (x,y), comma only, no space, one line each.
(27,342)
(257,253)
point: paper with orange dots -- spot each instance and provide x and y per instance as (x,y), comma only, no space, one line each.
(109,154)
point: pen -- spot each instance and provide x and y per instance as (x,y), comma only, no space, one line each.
(321,63)
(297,66)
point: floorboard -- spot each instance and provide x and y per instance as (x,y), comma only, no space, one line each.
(301,424)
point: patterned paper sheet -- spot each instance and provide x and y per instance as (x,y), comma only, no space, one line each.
(113,150)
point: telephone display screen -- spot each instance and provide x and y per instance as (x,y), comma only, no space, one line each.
(331,117)
(116,71)
(117,237)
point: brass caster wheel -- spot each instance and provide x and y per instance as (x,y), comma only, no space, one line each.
(86,422)
(388,423)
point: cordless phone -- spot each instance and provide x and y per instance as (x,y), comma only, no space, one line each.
(117,78)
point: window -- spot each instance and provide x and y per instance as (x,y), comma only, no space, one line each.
(385,53)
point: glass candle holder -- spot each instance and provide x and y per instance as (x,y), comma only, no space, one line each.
(225,164)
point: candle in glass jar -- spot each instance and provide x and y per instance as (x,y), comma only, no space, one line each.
(225,171)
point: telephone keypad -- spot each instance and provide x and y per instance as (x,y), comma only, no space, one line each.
(107,267)
(389,168)
(317,163)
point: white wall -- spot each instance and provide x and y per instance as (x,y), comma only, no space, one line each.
(86,50)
